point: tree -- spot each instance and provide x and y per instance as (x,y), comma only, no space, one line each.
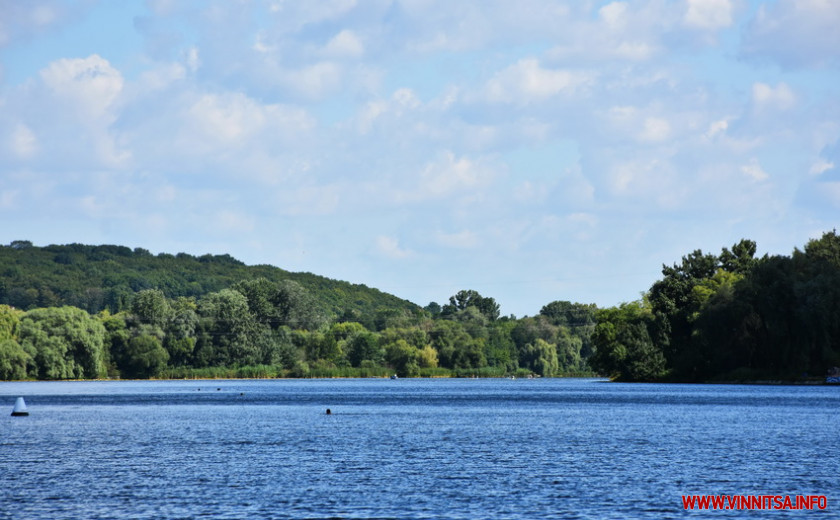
(740,259)
(9,322)
(295,308)
(181,331)
(227,330)
(144,358)
(456,349)
(403,358)
(65,342)
(364,346)
(463,299)
(624,346)
(433,308)
(541,357)
(151,307)
(500,348)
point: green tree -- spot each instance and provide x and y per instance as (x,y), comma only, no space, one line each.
(151,307)
(403,358)
(541,357)
(65,342)
(145,357)
(470,298)
(364,346)
(180,338)
(226,331)
(456,349)
(296,308)
(624,342)
(14,361)
(500,349)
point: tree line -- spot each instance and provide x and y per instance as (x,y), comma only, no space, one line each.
(725,317)
(260,328)
(729,317)
(106,277)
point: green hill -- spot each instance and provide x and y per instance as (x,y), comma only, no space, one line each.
(107,276)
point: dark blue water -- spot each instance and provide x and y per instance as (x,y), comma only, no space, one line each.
(490,448)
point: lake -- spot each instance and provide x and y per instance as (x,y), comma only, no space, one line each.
(410,448)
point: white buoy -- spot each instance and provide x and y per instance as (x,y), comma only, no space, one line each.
(20,408)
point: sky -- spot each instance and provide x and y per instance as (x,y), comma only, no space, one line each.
(533,150)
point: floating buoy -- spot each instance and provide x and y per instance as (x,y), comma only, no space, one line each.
(20,408)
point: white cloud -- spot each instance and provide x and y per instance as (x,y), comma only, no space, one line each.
(634,123)
(780,97)
(90,85)
(23,143)
(754,171)
(192,59)
(234,119)
(527,81)
(821,167)
(313,81)
(390,247)
(161,77)
(448,176)
(614,14)
(717,128)
(655,129)
(709,14)
(345,44)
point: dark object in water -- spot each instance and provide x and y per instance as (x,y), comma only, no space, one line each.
(20,408)
(329,412)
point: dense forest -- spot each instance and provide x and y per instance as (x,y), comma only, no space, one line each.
(729,317)
(95,278)
(78,311)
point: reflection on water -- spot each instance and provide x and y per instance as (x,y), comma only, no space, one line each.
(491,448)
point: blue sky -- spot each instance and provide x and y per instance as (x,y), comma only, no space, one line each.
(531,150)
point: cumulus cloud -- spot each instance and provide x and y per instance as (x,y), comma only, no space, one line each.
(390,248)
(23,142)
(90,85)
(821,167)
(450,175)
(766,97)
(345,44)
(527,81)
(231,127)
(638,124)
(754,171)
(709,14)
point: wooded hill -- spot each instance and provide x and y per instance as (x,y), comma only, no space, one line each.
(95,278)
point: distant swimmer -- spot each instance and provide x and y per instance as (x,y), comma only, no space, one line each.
(329,412)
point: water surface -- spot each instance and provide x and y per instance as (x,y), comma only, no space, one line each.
(410,448)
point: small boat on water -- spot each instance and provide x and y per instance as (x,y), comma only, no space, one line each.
(394,376)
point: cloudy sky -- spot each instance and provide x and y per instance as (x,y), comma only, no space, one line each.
(533,150)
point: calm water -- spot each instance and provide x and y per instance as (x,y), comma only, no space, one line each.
(410,449)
